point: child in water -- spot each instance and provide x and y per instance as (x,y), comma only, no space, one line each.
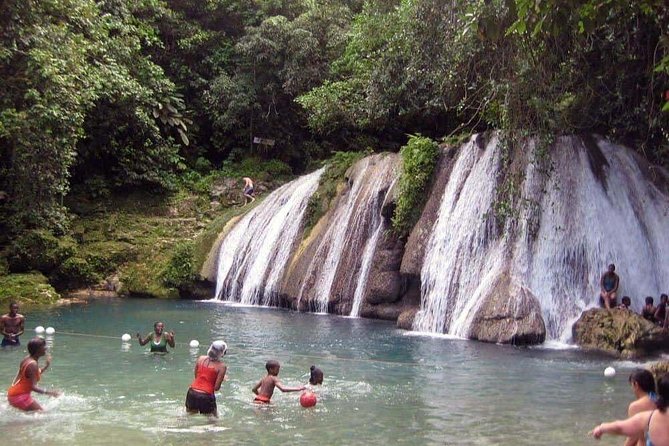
(315,376)
(265,387)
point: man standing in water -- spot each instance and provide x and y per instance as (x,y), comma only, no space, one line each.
(609,288)
(249,192)
(11,326)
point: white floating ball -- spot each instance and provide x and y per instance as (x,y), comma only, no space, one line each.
(39,329)
(126,337)
(50,330)
(194,343)
(609,372)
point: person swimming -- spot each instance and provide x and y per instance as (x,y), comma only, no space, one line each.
(315,376)
(159,339)
(265,387)
(12,326)
(29,374)
(210,373)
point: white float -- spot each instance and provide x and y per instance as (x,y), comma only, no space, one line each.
(609,372)
(194,343)
(39,329)
(126,337)
(50,330)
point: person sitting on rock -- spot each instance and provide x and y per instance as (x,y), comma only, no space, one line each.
(648,310)
(661,311)
(625,303)
(609,288)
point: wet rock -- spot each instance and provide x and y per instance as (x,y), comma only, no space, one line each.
(384,287)
(406,318)
(412,261)
(510,314)
(619,332)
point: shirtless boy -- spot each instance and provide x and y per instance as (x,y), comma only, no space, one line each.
(12,326)
(265,387)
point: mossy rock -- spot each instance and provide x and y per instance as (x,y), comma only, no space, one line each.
(619,332)
(31,289)
(143,278)
(39,250)
(105,257)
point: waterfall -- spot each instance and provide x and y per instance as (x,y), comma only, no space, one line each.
(595,207)
(456,264)
(355,221)
(254,255)
(368,255)
(591,218)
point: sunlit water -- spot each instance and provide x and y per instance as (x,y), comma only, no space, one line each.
(381,386)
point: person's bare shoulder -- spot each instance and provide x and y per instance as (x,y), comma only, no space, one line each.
(641,405)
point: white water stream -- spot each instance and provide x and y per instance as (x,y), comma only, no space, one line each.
(570,228)
(256,252)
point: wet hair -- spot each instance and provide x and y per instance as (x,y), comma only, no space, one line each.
(612,267)
(217,350)
(644,379)
(626,300)
(663,393)
(35,344)
(272,364)
(663,297)
(316,375)
(649,300)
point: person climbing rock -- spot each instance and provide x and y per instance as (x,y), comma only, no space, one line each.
(249,191)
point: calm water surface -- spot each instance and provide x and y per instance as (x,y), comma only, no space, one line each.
(382,386)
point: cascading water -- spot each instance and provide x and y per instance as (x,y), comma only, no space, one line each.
(367,256)
(590,218)
(353,222)
(456,264)
(256,252)
(596,207)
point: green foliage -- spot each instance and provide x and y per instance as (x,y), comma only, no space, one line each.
(180,269)
(328,186)
(76,272)
(419,160)
(39,250)
(28,289)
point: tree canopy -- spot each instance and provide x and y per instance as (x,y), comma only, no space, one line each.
(137,93)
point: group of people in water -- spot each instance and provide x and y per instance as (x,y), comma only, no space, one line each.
(609,283)
(209,373)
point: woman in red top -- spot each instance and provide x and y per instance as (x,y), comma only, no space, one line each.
(209,374)
(26,379)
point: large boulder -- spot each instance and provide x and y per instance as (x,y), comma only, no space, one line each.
(509,314)
(619,332)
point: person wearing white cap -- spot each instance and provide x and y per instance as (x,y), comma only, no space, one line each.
(209,374)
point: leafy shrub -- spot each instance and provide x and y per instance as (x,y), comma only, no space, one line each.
(419,159)
(180,268)
(39,250)
(75,272)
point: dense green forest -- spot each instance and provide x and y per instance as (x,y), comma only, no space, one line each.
(109,96)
